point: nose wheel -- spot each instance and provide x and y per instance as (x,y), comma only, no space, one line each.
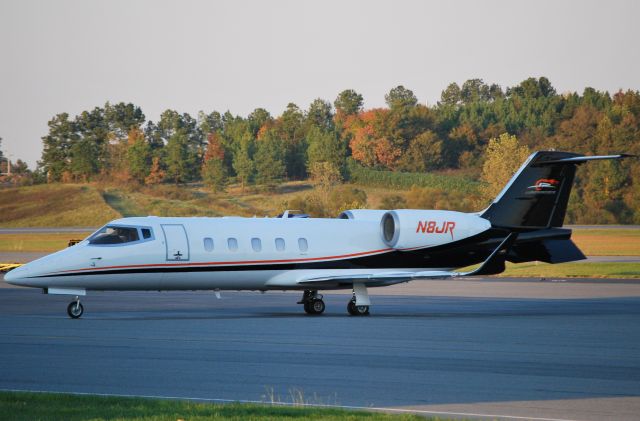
(75,309)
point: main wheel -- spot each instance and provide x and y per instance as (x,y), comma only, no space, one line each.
(75,310)
(351,308)
(355,310)
(316,306)
(362,310)
(307,308)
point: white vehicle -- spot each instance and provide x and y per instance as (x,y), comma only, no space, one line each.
(359,249)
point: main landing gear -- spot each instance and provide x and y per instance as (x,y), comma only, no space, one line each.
(75,309)
(356,310)
(312,302)
(357,306)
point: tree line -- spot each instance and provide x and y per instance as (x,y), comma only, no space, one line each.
(116,142)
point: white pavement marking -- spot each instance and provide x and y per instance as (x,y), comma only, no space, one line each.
(309,405)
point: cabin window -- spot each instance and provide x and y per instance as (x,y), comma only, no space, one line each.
(146,233)
(280,244)
(115,235)
(256,244)
(208,244)
(232,243)
(303,245)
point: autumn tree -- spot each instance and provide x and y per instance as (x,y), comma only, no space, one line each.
(156,174)
(423,154)
(366,132)
(503,157)
(214,172)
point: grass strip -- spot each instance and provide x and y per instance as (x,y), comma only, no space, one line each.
(38,242)
(29,406)
(608,242)
(573,270)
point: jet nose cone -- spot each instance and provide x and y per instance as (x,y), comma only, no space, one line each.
(16,276)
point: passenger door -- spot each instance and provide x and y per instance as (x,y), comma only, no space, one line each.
(177,243)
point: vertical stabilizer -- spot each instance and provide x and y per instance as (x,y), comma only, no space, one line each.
(537,195)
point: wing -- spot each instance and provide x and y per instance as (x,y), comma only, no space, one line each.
(494,264)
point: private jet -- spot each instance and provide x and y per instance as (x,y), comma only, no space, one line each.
(358,250)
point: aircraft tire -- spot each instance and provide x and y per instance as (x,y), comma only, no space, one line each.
(355,310)
(75,310)
(307,308)
(362,310)
(317,306)
(351,308)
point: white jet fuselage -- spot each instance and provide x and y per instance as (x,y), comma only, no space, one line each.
(234,253)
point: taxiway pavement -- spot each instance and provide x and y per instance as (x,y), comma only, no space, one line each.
(519,354)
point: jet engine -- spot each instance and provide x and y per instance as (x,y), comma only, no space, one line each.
(408,229)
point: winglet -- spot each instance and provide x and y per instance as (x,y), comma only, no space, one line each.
(495,263)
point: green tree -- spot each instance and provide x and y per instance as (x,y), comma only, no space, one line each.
(258,118)
(400,97)
(269,159)
(243,162)
(179,161)
(451,96)
(56,154)
(320,115)
(83,155)
(326,146)
(121,118)
(291,130)
(348,102)
(139,156)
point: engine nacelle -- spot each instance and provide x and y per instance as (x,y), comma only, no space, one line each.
(363,214)
(408,229)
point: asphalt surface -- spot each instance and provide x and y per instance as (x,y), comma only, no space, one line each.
(501,357)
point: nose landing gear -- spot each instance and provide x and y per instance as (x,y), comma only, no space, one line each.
(75,309)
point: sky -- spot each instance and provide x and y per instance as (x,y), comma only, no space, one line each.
(72,55)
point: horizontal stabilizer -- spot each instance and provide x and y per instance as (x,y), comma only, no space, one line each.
(582,159)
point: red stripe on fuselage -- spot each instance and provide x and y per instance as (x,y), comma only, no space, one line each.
(246,262)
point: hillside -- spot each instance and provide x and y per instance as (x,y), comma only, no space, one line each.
(54,205)
(91,205)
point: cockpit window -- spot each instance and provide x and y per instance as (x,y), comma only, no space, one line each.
(115,235)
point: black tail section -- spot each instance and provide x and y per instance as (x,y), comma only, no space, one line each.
(537,195)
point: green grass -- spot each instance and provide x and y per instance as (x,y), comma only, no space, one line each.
(403,181)
(573,270)
(54,406)
(607,242)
